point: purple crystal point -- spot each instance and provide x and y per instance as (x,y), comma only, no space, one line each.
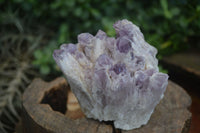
(140,78)
(104,60)
(123,45)
(101,35)
(124,28)
(119,68)
(71,48)
(114,79)
(85,38)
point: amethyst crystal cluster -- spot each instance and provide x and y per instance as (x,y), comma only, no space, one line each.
(114,79)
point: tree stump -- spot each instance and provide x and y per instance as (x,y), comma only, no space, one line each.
(52,108)
(184,69)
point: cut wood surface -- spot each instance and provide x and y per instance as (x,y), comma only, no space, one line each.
(52,108)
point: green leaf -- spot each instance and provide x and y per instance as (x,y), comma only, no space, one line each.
(164,5)
(64,33)
(38,54)
(107,25)
(36,62)
(166,44)
(175,11)
(78,11)
(44,69)
(70,3)
(95,13)
(55,5)
(198,8)
(183,22)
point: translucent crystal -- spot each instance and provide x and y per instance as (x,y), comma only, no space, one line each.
(114,79)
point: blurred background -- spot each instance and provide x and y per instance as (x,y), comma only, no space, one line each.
(30,30)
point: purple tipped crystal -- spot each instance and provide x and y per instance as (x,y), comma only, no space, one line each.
(101,78)
(140,77)
(101,35)
(114,79)
(57,54)
(85,38)
(123,45)
(104,60)
(71,48)
(119,68)
(123,29)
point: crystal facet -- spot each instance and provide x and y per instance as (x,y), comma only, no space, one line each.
(114,79)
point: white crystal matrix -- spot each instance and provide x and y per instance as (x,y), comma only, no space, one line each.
(114,79)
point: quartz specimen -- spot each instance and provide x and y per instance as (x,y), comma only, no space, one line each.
(114,79)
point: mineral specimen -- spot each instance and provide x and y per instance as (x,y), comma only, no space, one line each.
(114,79)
